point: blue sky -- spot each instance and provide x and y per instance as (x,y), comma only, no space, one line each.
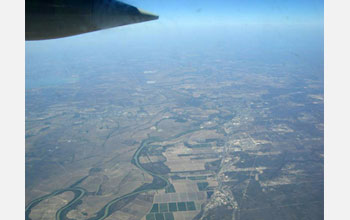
(236,11)
(188,16)
(250,23)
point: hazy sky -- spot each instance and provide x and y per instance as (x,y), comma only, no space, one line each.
(178,16)
(255,26)
(235,11)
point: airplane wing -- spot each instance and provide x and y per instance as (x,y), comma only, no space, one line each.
(49,19)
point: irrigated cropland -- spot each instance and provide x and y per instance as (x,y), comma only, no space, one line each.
(187,130)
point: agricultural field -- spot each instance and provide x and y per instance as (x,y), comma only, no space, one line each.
(201,133)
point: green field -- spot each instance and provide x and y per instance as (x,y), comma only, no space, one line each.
(209,193)
(169,216)
(159,216)
(150,217)
(197,177)
(181,206)
(172,207)
(197,145)
(158,209)
(155,208)
(202,186)
(191,206)
(163,207)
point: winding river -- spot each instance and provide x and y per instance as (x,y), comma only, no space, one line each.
(159,182)
(106,210)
